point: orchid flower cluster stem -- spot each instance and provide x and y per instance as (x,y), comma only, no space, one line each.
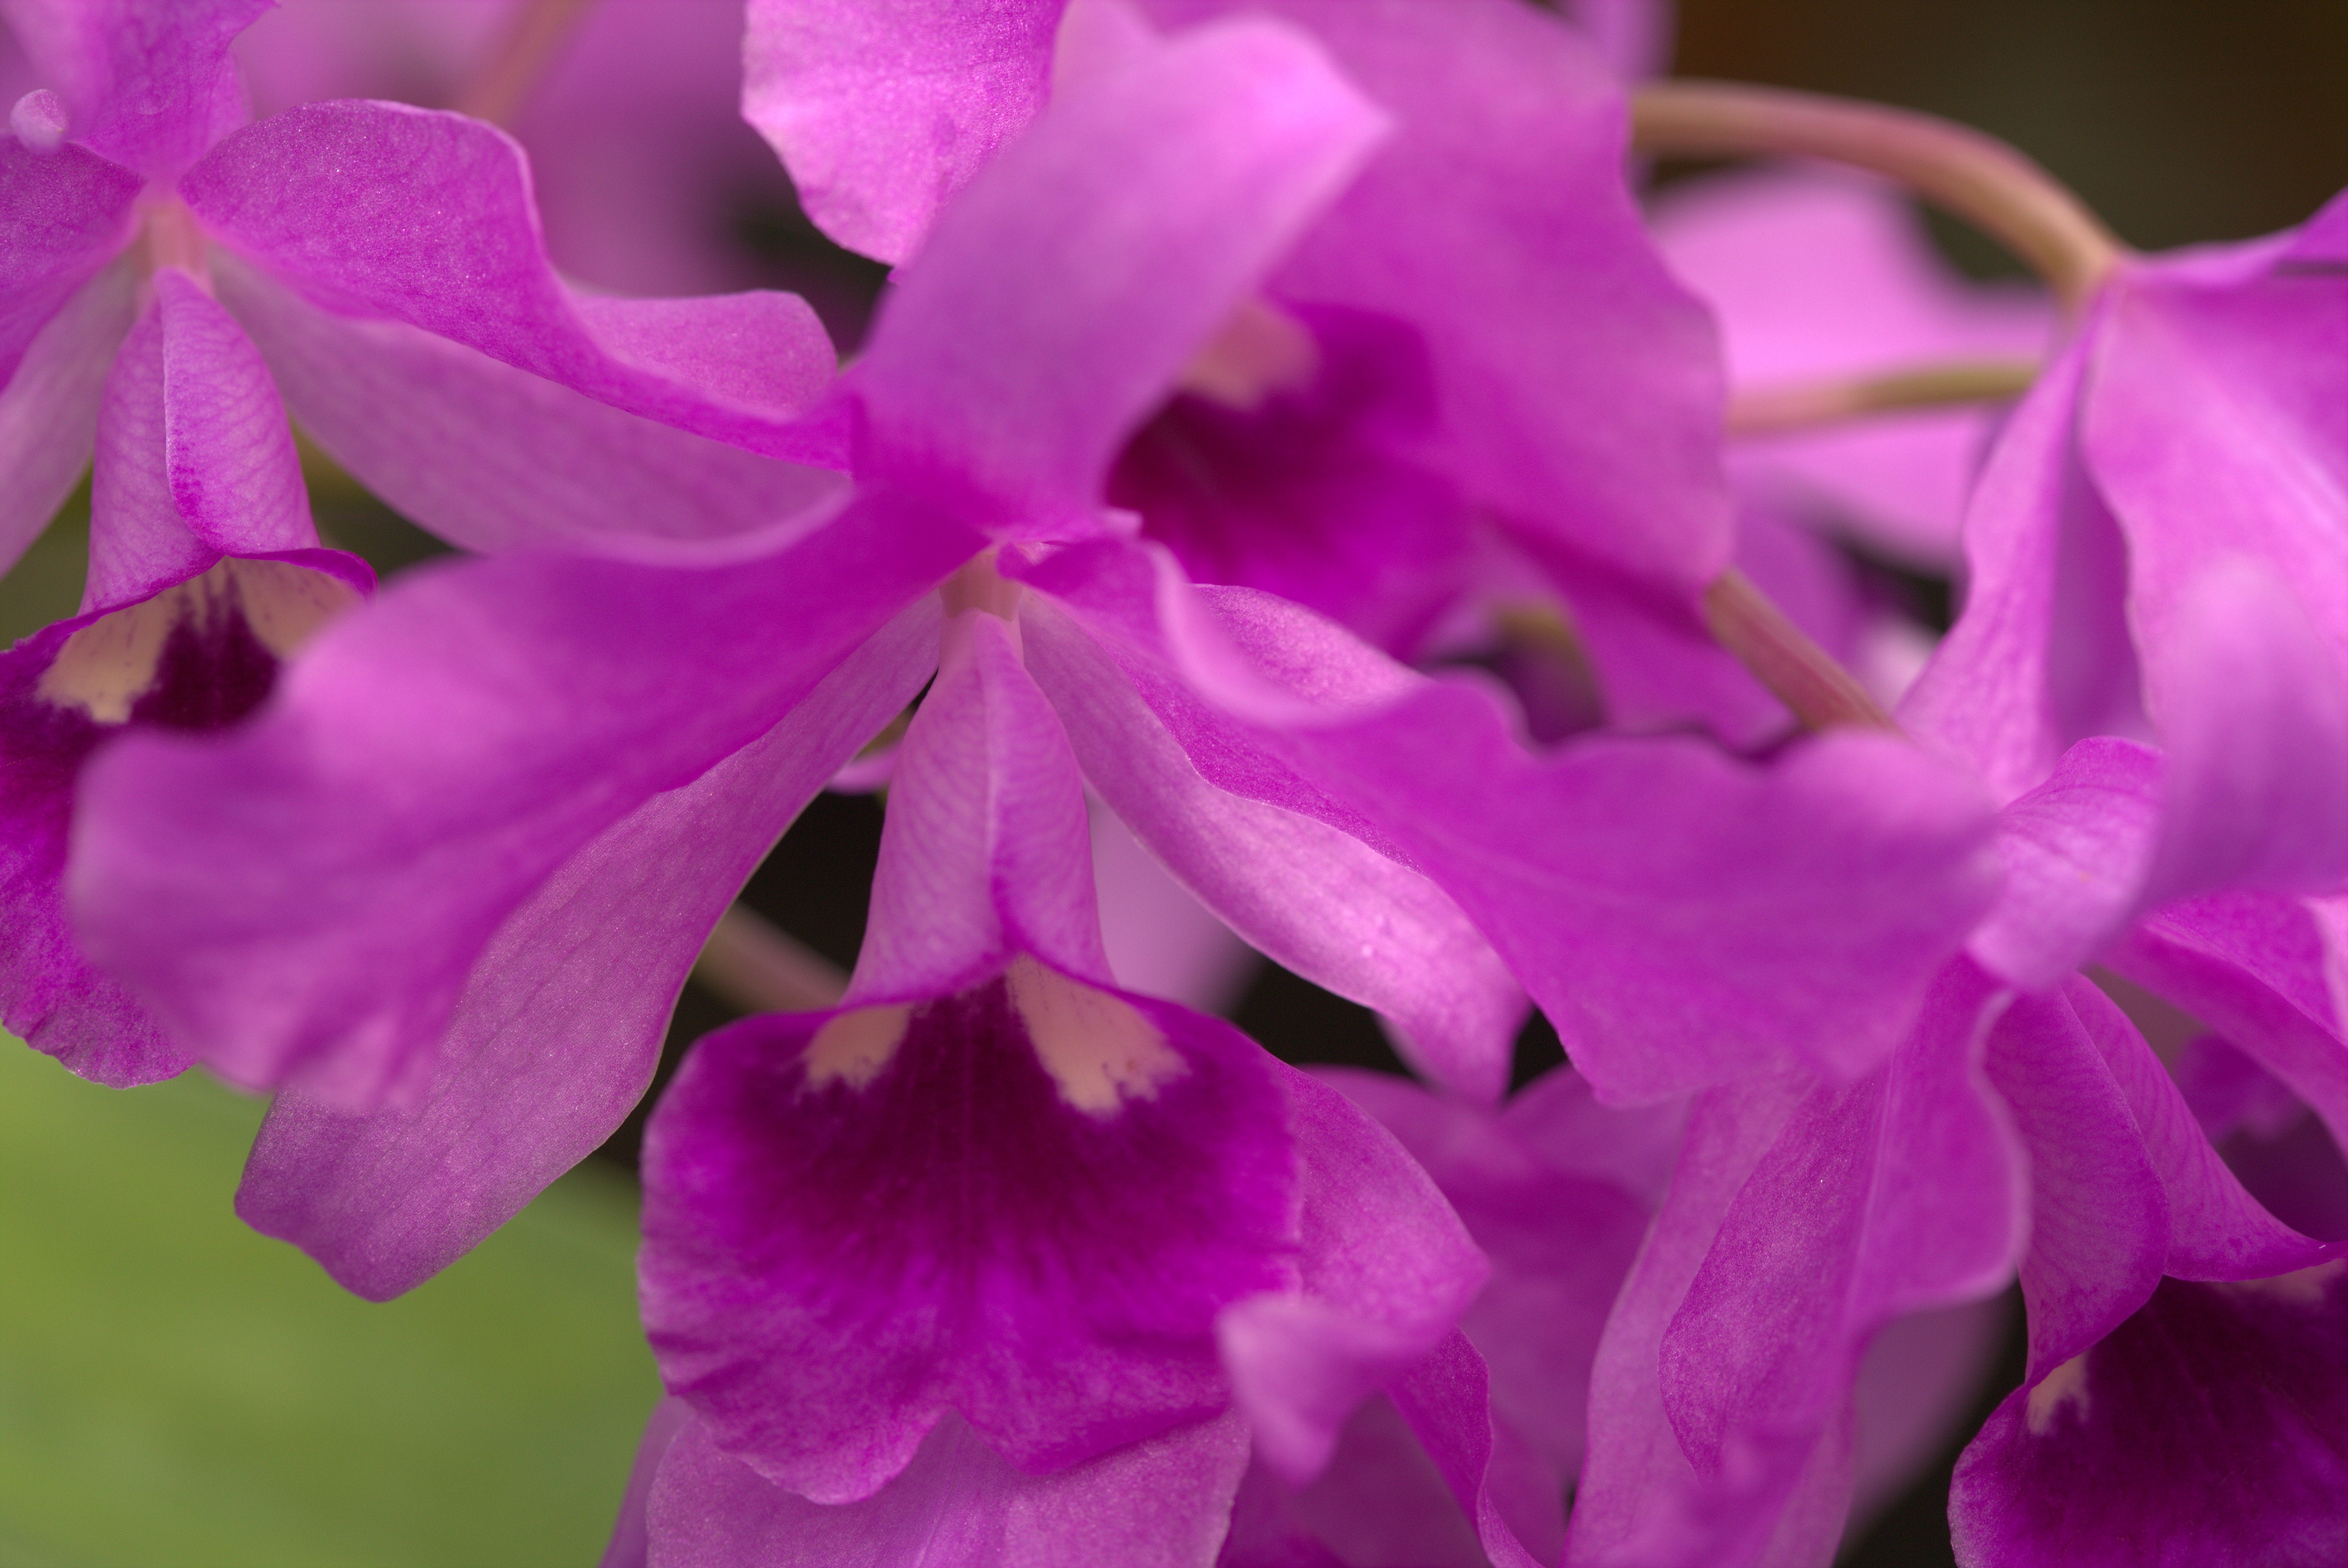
(1972,175)
(1820,691)
(1774,410)
(1297,494)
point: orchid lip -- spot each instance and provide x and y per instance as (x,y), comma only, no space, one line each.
(1100,1051)
(105,666)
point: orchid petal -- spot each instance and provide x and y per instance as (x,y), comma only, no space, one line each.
(2099,1228)
(1574,864)
(140,543)
(426,217)
(68,213)
(1068,285)
(2254,709)
(494,458)
(1896,1193)
(1536,1187)
(987,850)
(1582,867)
(2212,425)
(1579,385)
(2257,969)
(884,112)
(1317,900)
(148,83)
(1640,1497)
(857,1222)
(562,1020)
(1384,1499)
(48,409)
(2076,850)
(1161,1503)
(308,896)
(2042,656)
(2217,1231)
(234,475)
(1384,1273)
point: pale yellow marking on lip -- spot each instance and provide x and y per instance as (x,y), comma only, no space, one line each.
(2065,1387)
(853,1047)
(107,665)
(286,604)
(2300,1287)
(1098,1049)
(1260,350)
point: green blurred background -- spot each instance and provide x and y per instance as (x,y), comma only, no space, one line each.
(177,1392)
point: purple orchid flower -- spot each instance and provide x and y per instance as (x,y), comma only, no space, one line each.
(504,806)
(169,272)
(678,782)
(992,1197)
(2026,1125)
(1417,424)
(205,573)
(387,262)
(1807,1212)
(1558,1189)
(1802,1219)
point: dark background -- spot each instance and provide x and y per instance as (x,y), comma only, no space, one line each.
(2179,123)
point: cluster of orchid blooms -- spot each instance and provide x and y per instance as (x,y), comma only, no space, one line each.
(1286,431)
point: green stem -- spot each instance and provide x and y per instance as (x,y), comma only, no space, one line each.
(1798,406)
(756,965)
(1974,176)
(1822,693)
